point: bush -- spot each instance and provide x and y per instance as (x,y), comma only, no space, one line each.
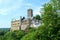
(15,35)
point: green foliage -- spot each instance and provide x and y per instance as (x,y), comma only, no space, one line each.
(31,29)
(37,17)
(1,37)
(15,35)
(29,36)
(51,28)
(2,33)
(39,34)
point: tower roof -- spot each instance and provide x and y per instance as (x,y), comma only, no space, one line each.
(29,9)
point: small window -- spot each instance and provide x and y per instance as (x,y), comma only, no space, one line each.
(18,23)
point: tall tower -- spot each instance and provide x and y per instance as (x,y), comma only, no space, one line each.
(29,16)
(29,13)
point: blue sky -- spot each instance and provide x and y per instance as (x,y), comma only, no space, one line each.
(13,9)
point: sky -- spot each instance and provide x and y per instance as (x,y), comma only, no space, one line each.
(13,9)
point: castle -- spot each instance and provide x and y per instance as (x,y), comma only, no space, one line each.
(23,22)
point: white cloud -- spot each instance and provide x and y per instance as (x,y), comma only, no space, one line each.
(37,11)
(3,11)
(6,6)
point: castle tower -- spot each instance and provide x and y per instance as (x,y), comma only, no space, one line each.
(29,13)
(29,16)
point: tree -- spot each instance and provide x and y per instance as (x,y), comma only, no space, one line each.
(15,35)
(37,17)
(50,29)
